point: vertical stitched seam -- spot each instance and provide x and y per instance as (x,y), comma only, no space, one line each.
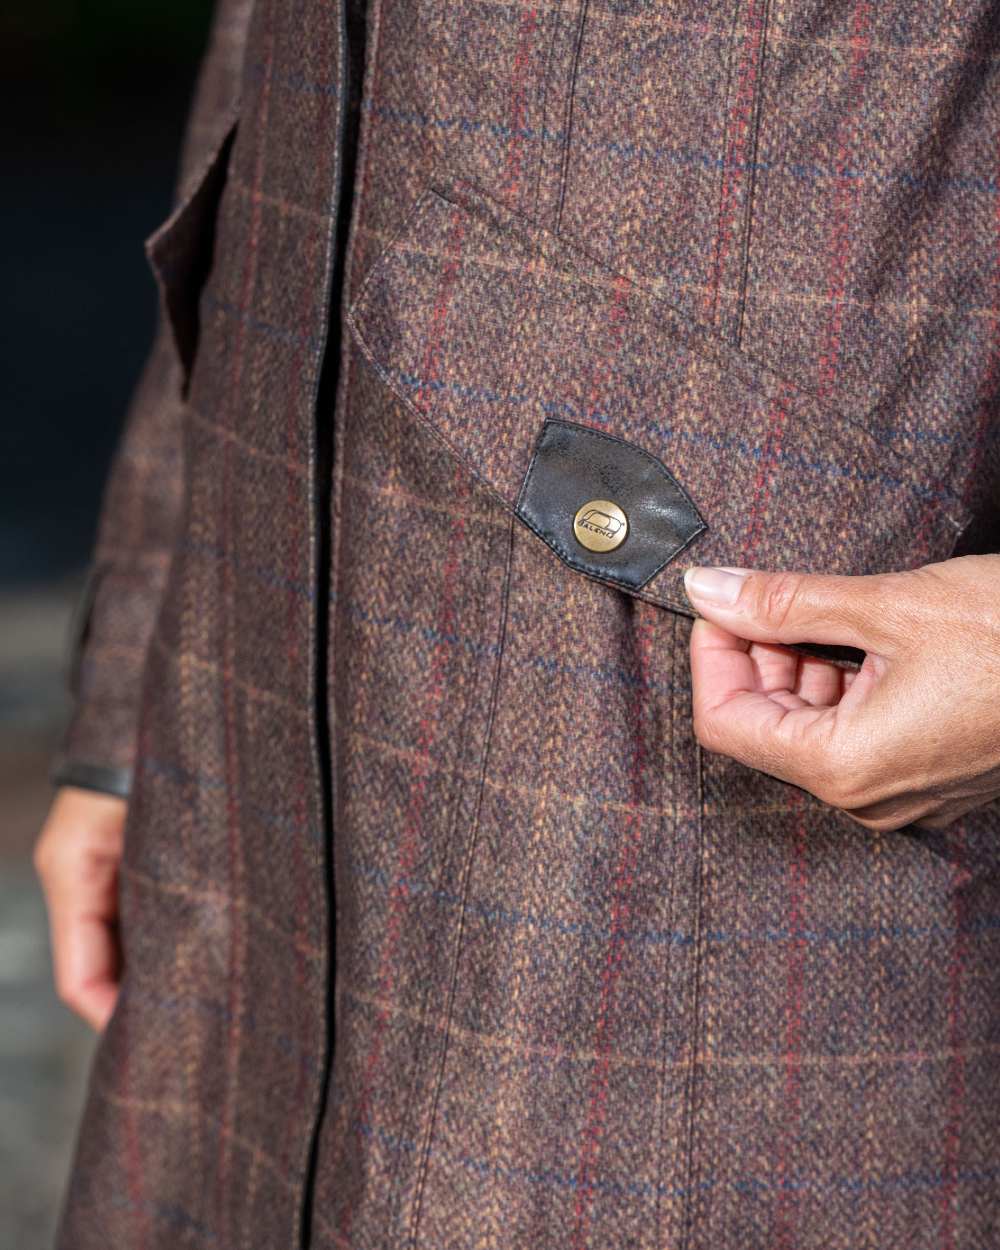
(546,78)
(428,1134)
(845,198)
(423,1032)
(696,979)
(675,621)
(741,298)
(712,278)
(568,124)
(621,899)
(413,826)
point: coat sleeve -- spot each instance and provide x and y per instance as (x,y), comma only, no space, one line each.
(141,501)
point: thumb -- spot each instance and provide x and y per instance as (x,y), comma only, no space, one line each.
(798,607)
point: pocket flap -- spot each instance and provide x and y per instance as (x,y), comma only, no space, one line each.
(180,249)
(500,335)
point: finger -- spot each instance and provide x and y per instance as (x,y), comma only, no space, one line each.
(93,962)
(86,959)
(819,681)
(77,856)
(721,663)
(776,667)
(788,699)
(801,607)
(943,817)
(733,717)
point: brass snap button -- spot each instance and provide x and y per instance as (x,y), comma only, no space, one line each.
(600,525)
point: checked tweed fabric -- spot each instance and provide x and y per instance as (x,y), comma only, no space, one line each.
(441,932)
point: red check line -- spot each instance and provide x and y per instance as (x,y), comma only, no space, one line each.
(235,867)
(798,887)
(987,388)
(617,319)
(762,484)
(737,129)
(133,1158)
(410,839)
(300,377)
(795,984)
(132,1146)
(845,195)
(429,372)
(621,913)
(956,1039)
(518,104)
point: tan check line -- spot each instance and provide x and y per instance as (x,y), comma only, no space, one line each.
(496,1041)
(179,1109)
(220,431)
(219,898)
(583,801)
(183,656)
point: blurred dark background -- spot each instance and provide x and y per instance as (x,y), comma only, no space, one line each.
(97,94)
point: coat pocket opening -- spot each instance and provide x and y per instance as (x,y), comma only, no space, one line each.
(180,250)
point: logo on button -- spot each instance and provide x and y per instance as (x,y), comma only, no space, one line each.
(600,525)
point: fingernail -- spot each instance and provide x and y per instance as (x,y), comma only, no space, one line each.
(712,585)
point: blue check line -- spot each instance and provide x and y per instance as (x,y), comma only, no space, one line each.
(550,1178)
(553,407)
(279,822)
(259,572)
(609,1185)
(267,329)
(294,82)
(171,1004)
(614,675)
(644,154)
(514,918)
(704,438)
(172,1214)
(604,1186)
(631,151)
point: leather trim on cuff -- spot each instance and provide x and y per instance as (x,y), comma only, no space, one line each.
(104,778)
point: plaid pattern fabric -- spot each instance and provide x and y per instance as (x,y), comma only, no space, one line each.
(440,929)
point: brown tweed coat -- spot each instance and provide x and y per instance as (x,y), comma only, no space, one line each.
(441,932)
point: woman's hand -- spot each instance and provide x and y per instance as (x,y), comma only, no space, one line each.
(913,736)
(76,857)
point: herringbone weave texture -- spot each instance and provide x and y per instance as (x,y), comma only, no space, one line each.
(591,987)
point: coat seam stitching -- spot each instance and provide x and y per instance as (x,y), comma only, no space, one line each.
(428,1133)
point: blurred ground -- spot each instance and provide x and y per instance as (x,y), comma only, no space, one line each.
(44,1049)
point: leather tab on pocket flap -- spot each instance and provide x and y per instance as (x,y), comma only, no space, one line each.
(644,522)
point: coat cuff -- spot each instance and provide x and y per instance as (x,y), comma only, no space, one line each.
(104,778)
(103,666)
